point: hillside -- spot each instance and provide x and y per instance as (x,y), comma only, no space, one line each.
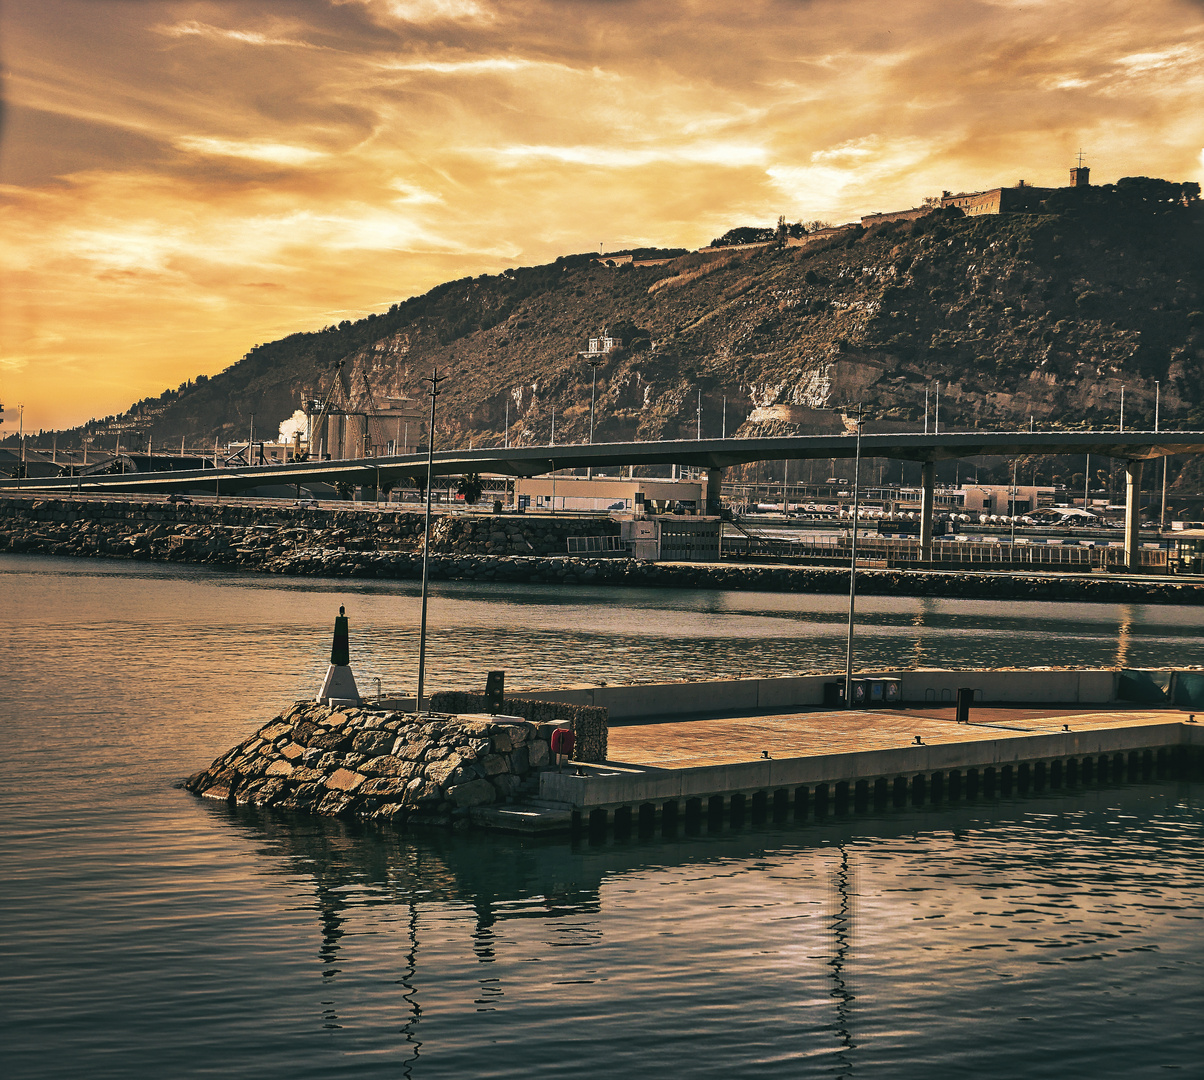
(1016,315)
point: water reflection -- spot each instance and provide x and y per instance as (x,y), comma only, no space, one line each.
(841,941)
(1124,634)
(1036,882)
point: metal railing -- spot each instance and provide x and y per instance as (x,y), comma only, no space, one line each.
(961,552)
(596,545)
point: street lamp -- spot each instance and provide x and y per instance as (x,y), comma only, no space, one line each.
(593,362)
(434,380)
(848,665)
(1157,403)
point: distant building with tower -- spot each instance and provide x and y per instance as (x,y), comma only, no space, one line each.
(1021,199)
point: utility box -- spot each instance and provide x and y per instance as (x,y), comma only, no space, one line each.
(833,695)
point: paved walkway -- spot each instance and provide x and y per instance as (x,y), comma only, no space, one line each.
(683,744)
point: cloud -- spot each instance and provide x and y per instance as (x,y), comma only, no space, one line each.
(428,11)
(165,162)
(193,28)
(726,154)
(272,153)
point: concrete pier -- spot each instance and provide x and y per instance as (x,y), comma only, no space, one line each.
(736,769)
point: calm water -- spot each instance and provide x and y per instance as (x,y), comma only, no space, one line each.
(152,934)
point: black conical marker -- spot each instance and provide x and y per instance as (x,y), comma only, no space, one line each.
(340,649)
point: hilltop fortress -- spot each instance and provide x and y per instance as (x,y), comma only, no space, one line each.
(1023,198)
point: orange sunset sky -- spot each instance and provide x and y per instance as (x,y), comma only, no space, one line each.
(180,181)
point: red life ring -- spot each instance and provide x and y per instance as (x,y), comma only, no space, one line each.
(562,741)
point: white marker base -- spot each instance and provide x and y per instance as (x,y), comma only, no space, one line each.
(338,688)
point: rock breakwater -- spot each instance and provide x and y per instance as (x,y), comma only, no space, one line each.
(384,766)
(367,543)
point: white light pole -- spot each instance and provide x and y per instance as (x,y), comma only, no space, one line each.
(1157,403)
(434,380)
(698,437)
(593,378)
(1012,509)
(848,664)
(1122,408)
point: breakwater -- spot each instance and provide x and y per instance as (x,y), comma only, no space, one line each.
(367,543)
(388,766)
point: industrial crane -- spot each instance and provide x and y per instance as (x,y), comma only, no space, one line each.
(323,412)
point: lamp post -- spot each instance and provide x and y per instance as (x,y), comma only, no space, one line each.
(1012,509)
(1157,403)
(593,362)
(848,665)
(434,380)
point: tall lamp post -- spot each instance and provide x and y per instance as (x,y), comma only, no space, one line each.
(434,380)
(848,664)
(593,362)
(1157,403)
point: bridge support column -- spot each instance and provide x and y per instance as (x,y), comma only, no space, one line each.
(1132,513)
(927,508)
(714,489)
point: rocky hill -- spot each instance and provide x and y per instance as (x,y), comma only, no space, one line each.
(1017,316)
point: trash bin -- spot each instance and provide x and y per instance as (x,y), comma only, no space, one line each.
(861,693)
(833,695)
(965,696)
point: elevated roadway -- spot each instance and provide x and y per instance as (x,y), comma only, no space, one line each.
(714,455)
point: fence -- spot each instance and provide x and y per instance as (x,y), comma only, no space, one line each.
(961,552)
(597,545)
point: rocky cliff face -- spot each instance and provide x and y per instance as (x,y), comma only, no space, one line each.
(1020,315)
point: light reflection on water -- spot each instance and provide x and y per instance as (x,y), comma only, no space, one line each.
(152,934)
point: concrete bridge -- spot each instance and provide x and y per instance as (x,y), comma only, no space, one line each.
(714,455)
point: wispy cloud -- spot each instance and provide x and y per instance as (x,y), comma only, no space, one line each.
(193,28)
(252,150)
(429,11)
(733,155)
